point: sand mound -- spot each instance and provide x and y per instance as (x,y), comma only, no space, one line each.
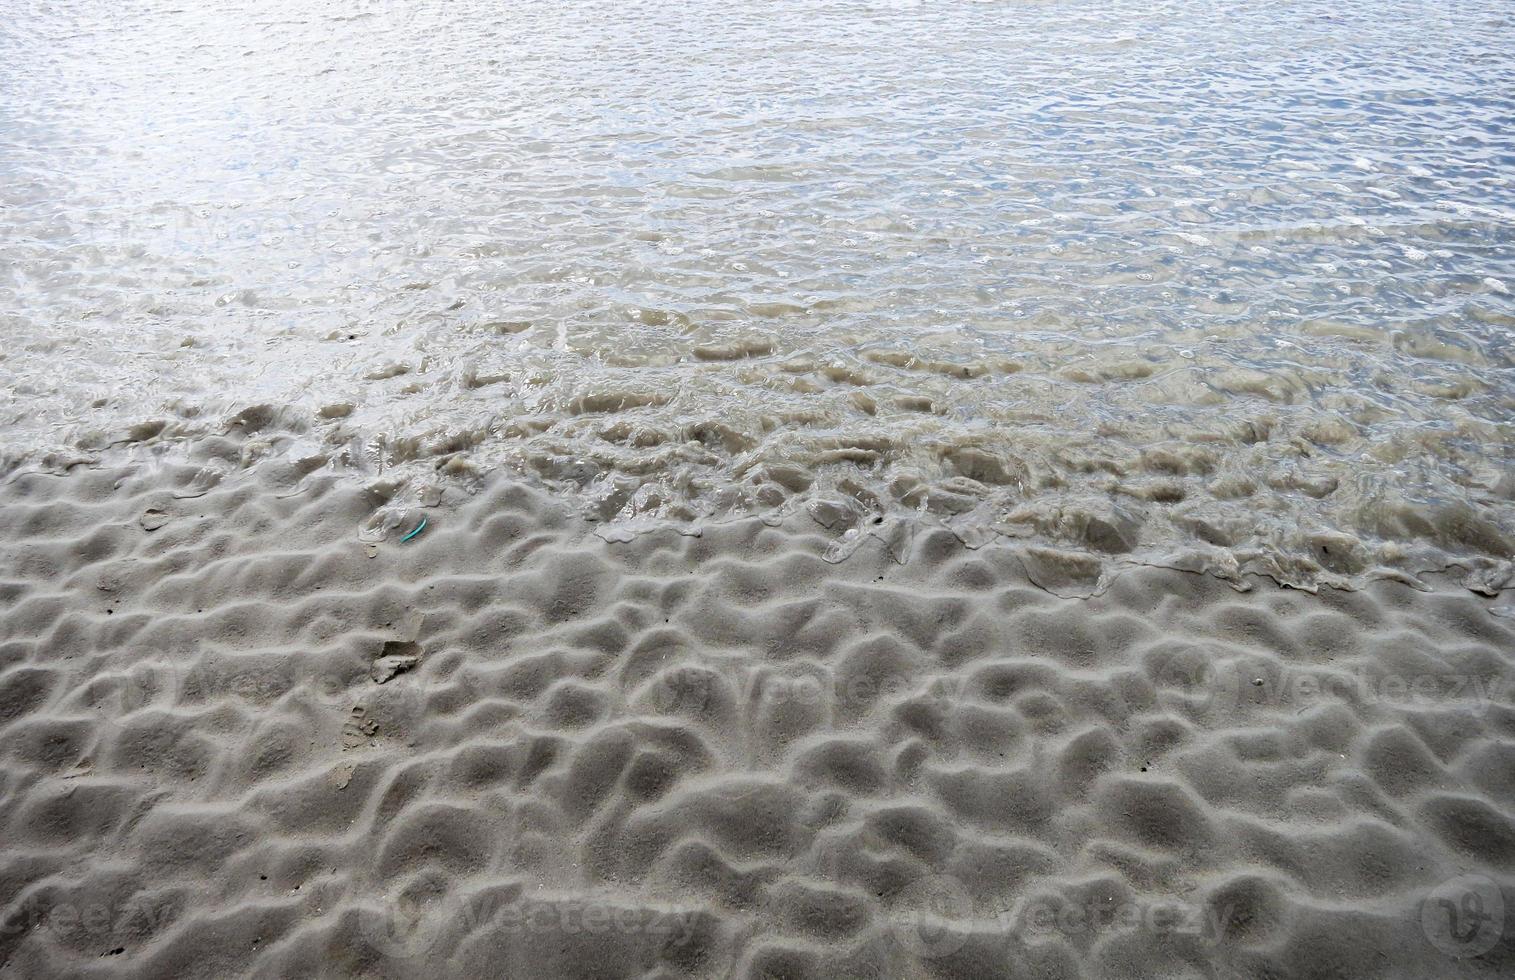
(239,741)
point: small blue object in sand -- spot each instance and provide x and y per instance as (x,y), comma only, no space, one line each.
(419,528)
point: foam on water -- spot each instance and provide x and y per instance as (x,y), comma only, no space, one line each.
(1200,282)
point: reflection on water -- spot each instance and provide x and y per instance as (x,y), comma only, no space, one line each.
(1143,278)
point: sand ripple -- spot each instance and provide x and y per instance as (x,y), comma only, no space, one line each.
(715,756)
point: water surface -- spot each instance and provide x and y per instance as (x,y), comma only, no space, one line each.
(1202,278)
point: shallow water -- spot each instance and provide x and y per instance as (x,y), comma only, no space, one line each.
(1218,283)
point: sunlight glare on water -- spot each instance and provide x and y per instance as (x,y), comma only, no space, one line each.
(1199,281)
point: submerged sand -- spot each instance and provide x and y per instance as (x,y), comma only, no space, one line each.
(238,740)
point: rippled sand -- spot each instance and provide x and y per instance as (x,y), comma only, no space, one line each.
(1193,283)
(239,742)
(810,489)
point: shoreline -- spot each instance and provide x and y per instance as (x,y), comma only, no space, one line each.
(1076,550)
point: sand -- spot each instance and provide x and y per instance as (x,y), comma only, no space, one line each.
(235,740)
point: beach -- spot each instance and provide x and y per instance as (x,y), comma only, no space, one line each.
(242,742)
(822,488)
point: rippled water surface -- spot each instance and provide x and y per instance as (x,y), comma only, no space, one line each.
(1202,278)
